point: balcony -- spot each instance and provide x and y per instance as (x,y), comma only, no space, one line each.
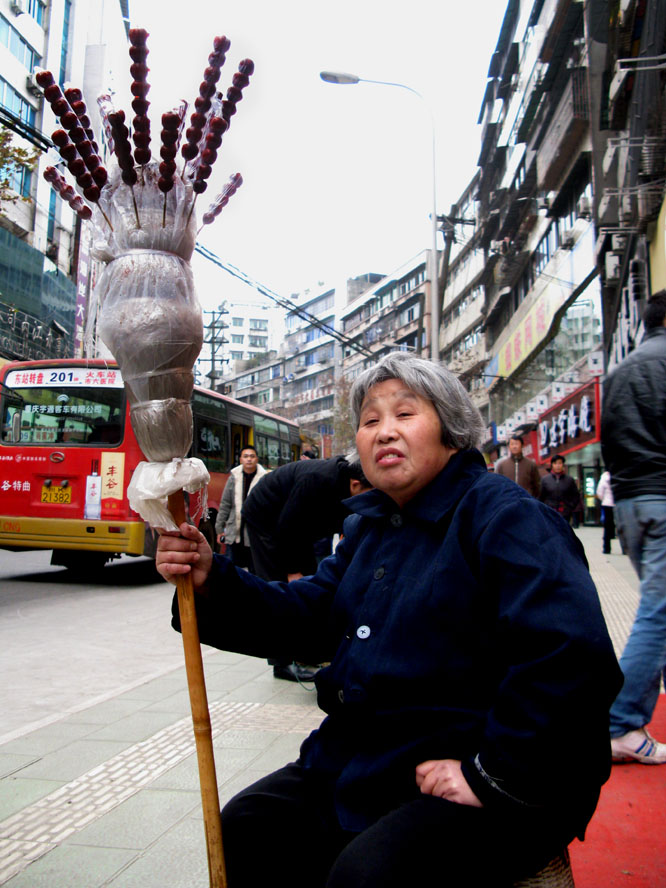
(568,126)
(469,360)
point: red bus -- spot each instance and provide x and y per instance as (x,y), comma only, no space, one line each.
(67,453)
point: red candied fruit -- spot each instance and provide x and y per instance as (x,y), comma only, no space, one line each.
(165,185)
(140,88)
(100,176)
(189,151)
(142,156)
(211,74)
(44,79)
(68,151)
(199,186)
(76,166)
(138,71)
(169,138)
(85,181)
(73,94)
(140,106)
(69,120)
(141,124)
(198,120)
(202,104)
(246,66)
(206,90)
(85,148)
(59,137)
(141,139)
(138,36)
(53,92)
(60,107)
(221,44)
(170,120)
(138,53)
(85,212)
(168,152)
(91,193)
(204,171)
(193,134)
(209,155)
(129,176)
(51,174)
(218,124)
(92,162)
(167,168)
(77,134)
(240,80)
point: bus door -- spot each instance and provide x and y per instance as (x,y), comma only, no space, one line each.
(240,437)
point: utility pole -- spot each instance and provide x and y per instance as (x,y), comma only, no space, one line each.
(216,340)
(448,228)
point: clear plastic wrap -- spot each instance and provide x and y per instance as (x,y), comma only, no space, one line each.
(152,483)
(150,318)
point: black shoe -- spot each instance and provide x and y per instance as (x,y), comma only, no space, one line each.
(292,672)
(607,551)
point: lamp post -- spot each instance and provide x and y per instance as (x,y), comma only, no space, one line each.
(351,79)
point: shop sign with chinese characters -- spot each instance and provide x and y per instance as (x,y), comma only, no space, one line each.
(570,424)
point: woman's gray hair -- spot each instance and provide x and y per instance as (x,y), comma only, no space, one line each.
(462,426)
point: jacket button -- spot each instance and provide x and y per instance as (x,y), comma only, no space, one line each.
(363,631)
(379,573)
(341,696)
(396,520)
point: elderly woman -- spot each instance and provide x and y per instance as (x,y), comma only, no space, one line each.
(471,673)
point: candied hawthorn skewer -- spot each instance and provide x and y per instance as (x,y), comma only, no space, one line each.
(222,199)
(140,87)
(67,193)
(172,126)
(123,151)
(202,104)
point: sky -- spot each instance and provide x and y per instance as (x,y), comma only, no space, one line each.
(338,180)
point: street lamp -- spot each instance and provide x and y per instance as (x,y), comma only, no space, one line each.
(342,79)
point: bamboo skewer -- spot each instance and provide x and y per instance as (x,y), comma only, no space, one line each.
(200,715)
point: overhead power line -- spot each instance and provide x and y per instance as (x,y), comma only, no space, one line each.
(287,304)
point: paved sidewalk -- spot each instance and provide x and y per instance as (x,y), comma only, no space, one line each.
(109,796)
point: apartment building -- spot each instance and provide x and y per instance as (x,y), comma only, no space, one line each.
(45,273)
(543,294)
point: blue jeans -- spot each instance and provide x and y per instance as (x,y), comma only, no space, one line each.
(641,528)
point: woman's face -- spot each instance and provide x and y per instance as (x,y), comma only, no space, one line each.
(399,440)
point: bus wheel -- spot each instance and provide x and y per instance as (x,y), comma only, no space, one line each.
(79,562)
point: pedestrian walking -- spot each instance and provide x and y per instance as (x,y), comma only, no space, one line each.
(604,494)
(229,524)
(559,490)
(465,639)
(288,515)
(520,468)
(633,443)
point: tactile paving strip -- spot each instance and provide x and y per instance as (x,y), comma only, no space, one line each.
(40,827)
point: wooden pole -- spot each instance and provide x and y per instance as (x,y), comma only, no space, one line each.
(200,715)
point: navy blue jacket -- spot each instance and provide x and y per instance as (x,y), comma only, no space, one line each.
(465,626)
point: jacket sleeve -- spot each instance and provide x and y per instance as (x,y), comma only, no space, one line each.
(241,612)
(558,673)
(226,505)
(294,529)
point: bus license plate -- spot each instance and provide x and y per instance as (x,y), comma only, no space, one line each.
(56,494)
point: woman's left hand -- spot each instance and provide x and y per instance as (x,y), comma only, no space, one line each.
(444,778)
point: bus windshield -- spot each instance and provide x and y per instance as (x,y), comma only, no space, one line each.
(75,406)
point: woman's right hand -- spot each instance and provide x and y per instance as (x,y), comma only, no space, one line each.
(181,552)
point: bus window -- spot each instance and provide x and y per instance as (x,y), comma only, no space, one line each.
(210,444)
(285,452)
(59,414)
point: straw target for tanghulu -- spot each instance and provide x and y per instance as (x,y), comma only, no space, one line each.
(144,229)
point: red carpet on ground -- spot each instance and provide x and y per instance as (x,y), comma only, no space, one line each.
(625,845)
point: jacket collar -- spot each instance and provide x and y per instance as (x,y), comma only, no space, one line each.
(435,500)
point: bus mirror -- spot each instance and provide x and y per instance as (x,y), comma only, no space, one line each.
(16,427)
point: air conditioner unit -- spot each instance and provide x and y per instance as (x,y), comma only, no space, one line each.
(32,86)
(18,6)
(584,207)
(568,240)
(612,263)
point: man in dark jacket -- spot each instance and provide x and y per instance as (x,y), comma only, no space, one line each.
(633,442)
(520,468)
(559,490)
(288,514)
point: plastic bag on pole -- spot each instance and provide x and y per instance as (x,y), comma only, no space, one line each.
(153,482)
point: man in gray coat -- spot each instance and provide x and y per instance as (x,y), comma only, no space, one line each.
(229,524)
(520,468)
